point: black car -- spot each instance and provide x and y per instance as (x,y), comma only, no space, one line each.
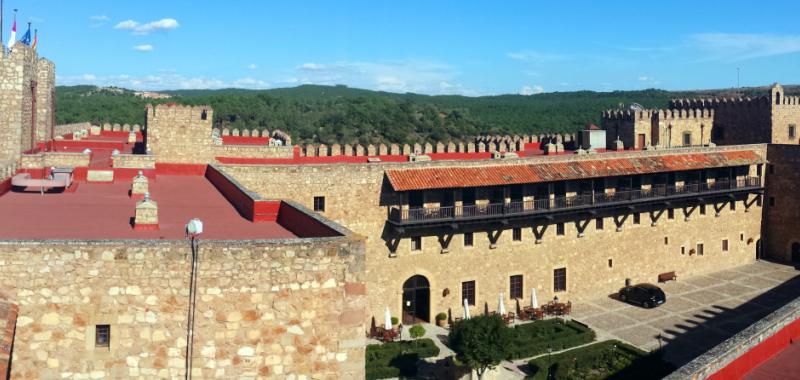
(647,295)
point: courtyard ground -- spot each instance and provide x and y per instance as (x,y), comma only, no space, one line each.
(700,311)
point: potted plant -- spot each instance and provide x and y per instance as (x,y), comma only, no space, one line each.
(395,322)
(441,319)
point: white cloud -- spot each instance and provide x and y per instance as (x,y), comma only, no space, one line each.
(252,66)
(88,77)
(401,76)
(142,29)
(250,83)
(738,47)
(648,81)
(535,56)
(531,90)
(145,47)
(99,18)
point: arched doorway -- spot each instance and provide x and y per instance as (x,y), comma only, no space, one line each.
(416,300)
(795,253)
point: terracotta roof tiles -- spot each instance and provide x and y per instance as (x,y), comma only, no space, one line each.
(457,177)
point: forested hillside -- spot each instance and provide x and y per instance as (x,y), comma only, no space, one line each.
(329,114)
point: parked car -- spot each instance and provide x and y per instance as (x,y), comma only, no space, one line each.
(646,295)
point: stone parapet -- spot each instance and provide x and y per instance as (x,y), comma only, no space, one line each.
(54,159)
(134,161)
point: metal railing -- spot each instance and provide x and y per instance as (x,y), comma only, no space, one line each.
(445,213)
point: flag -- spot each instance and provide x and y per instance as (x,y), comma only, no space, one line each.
(35,38)
(26,38)
(13,39)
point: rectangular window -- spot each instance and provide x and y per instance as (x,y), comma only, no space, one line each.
(560,280)
(702,209)
(733,205)
(598,223)
(792,131)
(516,234)
(683,250)
(560,229)
(319,204)
(468,239)
(725,245)
(687,138)
(666,240)
(515,287)
(102,335)
(699,248)
(741,237)
(416,243)
(671,213)
(468,292)
(610,263)
(637,218)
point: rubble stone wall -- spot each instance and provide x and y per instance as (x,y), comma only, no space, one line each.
(263,308)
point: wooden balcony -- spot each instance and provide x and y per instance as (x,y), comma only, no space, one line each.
(562,205)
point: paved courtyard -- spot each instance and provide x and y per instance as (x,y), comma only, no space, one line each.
(700,311)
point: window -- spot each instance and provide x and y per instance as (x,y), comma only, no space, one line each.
(516,234)
(637,218)
(102,335)
(560,280)
(666,240)
(515,287)
(671,213)
(598,223)
(468,292)
(319,204)
(702,209)
(733,205)
(560,229)
(699,248)
(683,250)
(741,237)
(725,245)
(771,201)
(792,131)
(687,138)
(468,239)
(203,115)
(416,243)
(610,263)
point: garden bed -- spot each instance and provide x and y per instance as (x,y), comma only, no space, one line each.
(610,359)
(397,359)
(535,338)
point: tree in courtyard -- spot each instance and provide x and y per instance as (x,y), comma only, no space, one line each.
(481,342)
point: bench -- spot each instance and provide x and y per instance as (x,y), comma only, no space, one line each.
(667,276)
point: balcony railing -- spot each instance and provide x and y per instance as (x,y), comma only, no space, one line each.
(543,206)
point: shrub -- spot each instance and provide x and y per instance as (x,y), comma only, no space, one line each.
(481,342)
(395,359)
(394,321)
(416,331)
(535,338)
(441,317)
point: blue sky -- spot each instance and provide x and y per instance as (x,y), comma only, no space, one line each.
(432,47)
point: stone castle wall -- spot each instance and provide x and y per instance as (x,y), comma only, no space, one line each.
(782,222)
(45,99)
(65,129)
(785,113)
(54,159)
(8,321)
(17,71)
(263,309)
(179,134)
(638,251)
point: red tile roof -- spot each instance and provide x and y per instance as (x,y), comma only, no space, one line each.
(455,177)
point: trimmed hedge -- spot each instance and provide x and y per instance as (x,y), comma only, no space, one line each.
(535,338)
(609,359)
(397,359)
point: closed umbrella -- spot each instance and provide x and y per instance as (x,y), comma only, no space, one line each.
(466,309)
(534,301)
(387,324)
(502,308)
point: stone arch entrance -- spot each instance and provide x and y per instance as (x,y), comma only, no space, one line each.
(416,300)
(795,253)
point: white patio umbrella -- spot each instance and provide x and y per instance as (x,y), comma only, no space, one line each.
(387,323)
(502,307)
(534,301)
(466,309)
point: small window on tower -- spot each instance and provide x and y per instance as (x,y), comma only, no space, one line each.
(792,131)
(516,234)
(203,115)
(102,335)
(319,204)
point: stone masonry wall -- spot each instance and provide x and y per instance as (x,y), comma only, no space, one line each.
(8,321)
(17,70)
(785,113)
(267,309)
(45,99)
(638,251)
(136,161)
(180,134)
(54,159)
(781,201)
(64,129)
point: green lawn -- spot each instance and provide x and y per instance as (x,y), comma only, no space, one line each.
(537,337)
(397,359)
(605,360)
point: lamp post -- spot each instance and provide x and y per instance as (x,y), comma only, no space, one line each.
(193,230)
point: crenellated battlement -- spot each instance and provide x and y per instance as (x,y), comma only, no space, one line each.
(627,115)
(691,113)
(712,103)
(179,112)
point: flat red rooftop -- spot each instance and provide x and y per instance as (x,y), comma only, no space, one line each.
(104,211)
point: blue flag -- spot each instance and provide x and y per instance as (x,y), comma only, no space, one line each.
(26,39)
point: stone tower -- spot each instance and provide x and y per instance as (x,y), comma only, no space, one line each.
(179,134)
(27,101)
